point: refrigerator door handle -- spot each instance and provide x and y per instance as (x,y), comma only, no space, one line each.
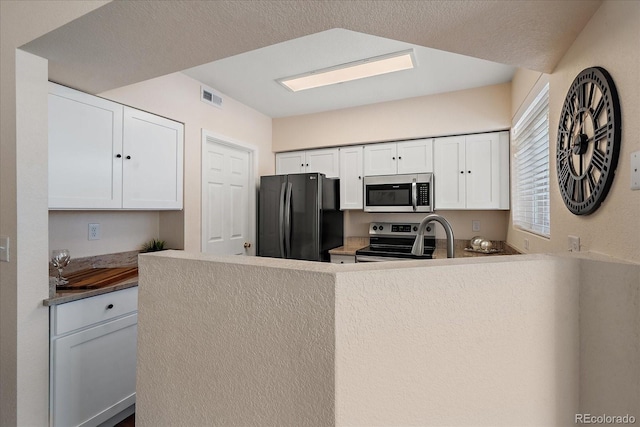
(281,219)
(287,220)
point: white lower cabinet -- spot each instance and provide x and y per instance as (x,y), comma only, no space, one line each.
(93,358)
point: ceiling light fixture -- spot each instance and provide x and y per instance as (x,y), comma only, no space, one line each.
(368,67)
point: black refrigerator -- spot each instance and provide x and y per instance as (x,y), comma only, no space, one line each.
(299,216)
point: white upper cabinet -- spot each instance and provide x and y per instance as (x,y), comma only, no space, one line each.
(351,173)
(103,155)
(393,158)
(472,172)
(415,156)
(85,139)
(325,160)
(292,162)
(153,157)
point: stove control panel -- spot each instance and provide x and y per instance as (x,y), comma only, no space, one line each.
(397,229)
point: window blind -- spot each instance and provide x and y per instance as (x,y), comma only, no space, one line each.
(530,136)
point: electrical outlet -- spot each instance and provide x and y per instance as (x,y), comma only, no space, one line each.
(4,248)
(526,244)
(574,244)
(94,231)
(475,225)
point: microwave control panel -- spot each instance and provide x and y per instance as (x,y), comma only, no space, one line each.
(423,194)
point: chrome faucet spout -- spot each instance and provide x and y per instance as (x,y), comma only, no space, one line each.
(418,244)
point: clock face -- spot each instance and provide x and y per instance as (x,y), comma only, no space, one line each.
(588,141)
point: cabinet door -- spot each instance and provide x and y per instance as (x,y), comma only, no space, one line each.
(486,170)
(351,168)
(292,162)
(324,161)
(449,172)
(153,161)
(415,156)
(380,159)
(94,373)
(85,138)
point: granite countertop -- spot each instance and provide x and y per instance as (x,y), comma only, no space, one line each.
(354,243)
(351,245)
(122,259)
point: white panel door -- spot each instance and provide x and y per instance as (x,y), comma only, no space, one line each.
(153,161)
(415,156)
(449,172)
(94,373)
(293,162)
(326,161)
(225,199)
(351,173)
(85,140)
(380,159)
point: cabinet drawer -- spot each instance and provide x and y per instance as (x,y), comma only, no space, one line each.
(342,259)
(85,312)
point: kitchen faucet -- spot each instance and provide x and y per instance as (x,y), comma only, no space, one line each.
(418,244)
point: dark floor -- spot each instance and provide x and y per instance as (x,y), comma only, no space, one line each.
(130,421)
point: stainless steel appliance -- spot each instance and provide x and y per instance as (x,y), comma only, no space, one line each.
(399,193)
(299,216)
(389,241)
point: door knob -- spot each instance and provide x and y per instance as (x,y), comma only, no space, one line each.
(247,245)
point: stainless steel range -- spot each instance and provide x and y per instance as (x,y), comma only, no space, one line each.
(390,241)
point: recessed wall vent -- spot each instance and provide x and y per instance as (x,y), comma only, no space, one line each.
(208,96)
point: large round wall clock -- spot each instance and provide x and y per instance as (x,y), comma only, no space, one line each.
(588,141)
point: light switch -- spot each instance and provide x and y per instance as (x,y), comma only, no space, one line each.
(635,170)
(4,248)
(475,225)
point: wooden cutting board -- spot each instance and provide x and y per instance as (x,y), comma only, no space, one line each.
(94,278)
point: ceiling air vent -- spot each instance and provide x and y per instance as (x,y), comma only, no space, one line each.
(208,96)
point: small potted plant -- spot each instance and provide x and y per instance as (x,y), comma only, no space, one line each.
(153,245)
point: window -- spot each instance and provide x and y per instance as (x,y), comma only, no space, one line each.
(531,167)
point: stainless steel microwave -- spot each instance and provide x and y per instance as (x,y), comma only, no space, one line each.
(399,193)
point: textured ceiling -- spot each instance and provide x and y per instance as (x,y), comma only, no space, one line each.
(251,77)
(125,42)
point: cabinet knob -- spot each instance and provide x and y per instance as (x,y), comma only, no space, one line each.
(399,157)
(247,245)
(359,177)
(393,158)
(307,164)
(118,155)
(461,171)
(128,157)
(302,165)
(468,171)
(110,306)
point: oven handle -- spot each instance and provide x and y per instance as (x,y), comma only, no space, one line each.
(414,196)
(373,258)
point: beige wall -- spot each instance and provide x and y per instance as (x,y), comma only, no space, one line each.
(610,338)
(516,340)
(177,96)
(467,111)
(488,344)
(24,322)
(120,231)
(235,344)
(609,40)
